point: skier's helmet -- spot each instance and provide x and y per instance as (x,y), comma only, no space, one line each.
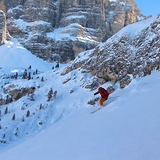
(99,88)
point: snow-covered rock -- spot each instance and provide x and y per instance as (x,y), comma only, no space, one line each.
(3,30)
(82,24)
(133,51)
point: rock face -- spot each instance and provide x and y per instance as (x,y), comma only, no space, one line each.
(3,31)
(55,29)
(18,93)
(123,57)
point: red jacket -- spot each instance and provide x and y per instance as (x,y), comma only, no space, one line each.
(103,92)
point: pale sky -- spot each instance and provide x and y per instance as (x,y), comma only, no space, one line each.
(148,7)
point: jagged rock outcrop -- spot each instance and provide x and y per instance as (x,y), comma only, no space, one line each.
(3,31)
(123,57)
(60,29)
(18,93)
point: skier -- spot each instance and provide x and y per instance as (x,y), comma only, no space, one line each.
(104,95)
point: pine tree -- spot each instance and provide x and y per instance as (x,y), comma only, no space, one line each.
(16,134)
(42,79)
(31,97)
(4,136)
(16,76)
(29,76)
(1,100)
(57,65)
(14,117)
(10,99)
(7,99)
(36,71)
(40,107)
(50,94)
(6,110)
(24,74)
(28,113)
(23,119)
(54,94)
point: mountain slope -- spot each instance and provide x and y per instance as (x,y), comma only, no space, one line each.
(126,128)
(34,108)
(39,124)
(13,55)
(95,19)
(133,51)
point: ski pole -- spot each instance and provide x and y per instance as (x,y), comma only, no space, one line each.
(94,101)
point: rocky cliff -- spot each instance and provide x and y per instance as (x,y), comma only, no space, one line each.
(60,29)
(3,30)
(124,56)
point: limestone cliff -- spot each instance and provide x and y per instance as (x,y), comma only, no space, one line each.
(3,31)
(60,29)
(125,55)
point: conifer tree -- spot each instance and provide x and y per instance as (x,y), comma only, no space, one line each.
(42,79)
(23,119)
(24,74)
(40,107)
(14,117)
(31,97)
(36,71)
(16,76)
(16,134)
(6,110)
(50,94)
(29,75)
(28,113)
(7,99)
(57,65)
(1,100)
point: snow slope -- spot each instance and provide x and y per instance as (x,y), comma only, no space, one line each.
(13,55)
(127,128)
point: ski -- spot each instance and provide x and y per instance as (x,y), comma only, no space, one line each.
(95,111)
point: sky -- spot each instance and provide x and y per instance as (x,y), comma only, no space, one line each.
(149,7)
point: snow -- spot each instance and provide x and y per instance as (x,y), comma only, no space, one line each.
(78,33)
(13,55)
(135,28)
(126,128)
(23,25)
(74,17)
(61,34)
(113,0)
